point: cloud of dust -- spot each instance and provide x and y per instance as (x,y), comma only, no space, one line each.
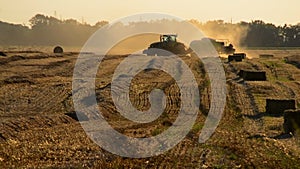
(234,33)
(230,33)
(227,32)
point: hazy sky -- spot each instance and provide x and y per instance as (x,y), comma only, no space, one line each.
(275,11)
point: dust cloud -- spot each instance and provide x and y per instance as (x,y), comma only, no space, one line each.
(220,30)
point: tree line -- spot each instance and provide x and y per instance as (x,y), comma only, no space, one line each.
(262,34)
(48,30)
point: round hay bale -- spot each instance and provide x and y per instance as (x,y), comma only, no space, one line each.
(58,49)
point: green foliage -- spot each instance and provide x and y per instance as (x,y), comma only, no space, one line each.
(156,131)
(197,127)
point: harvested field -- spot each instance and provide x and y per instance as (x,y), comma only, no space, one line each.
(39,129)
(293,59)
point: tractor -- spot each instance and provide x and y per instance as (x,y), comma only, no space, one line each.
(167,45)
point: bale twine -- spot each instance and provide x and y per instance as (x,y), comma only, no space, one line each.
(58,49)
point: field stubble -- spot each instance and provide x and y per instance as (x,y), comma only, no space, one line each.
(39,129)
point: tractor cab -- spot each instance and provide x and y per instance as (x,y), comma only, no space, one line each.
(167,45)
(168,38)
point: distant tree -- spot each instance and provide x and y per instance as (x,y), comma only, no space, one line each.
(195,22)
(100,24)
(71,22)
(48,30)
(261,34)
(291,35)
(12,34)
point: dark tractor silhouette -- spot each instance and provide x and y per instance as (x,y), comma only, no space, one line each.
(168,45)
(221,46)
